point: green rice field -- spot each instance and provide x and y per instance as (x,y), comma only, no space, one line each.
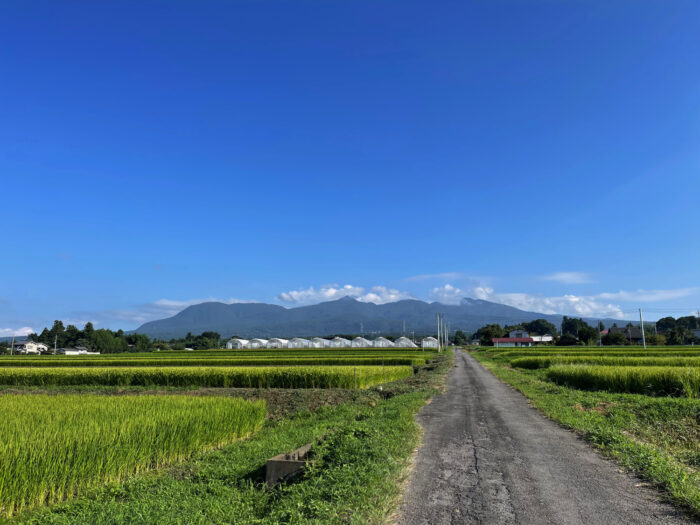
(53,447)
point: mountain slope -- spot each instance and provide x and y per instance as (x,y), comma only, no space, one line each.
(344,315)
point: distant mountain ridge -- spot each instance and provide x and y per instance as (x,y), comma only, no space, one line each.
(346,315)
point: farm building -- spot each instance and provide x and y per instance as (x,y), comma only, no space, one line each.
(299,342)
(77,351)
(257,343)
(404,342)
(512,341)
(276,342)
(30,347)
(429,342)
(320,342)
(382,342)
(340,342)
(542,338)
(237,344)
(361,342)
(518,334)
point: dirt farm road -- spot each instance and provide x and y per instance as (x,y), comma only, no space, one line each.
(488,457)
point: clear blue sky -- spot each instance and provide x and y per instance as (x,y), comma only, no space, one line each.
(540,153)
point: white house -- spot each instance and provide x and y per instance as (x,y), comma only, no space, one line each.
(518,334)
(382,342)
(429,342)
(320,342)
(276,342)
(299,342)
(361,342)
(340,342)
(30,347)
(237,343)
(257,343)
(404,342)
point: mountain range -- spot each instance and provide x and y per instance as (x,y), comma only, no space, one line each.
(342,316)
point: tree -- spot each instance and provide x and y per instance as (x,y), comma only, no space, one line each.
(57,335)
(71,336)
(488,332)
(540,327)
(567,340)
(615,339)
(88,334)
(461,338)
(665,324)
(587,334)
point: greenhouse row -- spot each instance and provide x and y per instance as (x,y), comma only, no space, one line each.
(336,342)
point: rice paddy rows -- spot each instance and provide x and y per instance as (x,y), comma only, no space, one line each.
(221,376)
(53,447)
(547,361)
(390,360)
(647,380)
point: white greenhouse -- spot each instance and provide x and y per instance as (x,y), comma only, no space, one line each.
(382,342)
(257,343)
(404,342)
(340,342)
(320,342)
(299,342)
(361,342)
(276,342)
(237,344)
(429,342)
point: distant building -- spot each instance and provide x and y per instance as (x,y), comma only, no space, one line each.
(320,342)
(236,343)
(631,333)
(299,342)
(542,338)
(382,342)
(518,334)
(361,342)
(77,351)
(257,343)
(429,342)
(512,341)
(276,342)
(340,342)
(30,347)
(404,342)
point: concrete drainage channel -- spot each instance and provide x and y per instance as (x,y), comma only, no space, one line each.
(285,467)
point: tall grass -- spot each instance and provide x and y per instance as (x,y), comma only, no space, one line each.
(648,380)
(54,447)
(547,361)
(246,377)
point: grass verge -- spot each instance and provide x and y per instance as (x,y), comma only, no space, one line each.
(656,437)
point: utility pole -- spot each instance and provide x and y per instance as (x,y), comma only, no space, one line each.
(12,346)
(600,333)
(641,323)
(55,341)
(404,328)
(437,316)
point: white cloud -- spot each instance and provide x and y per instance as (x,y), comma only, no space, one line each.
(569,277)
(16,332)
(650,295)
(311,295)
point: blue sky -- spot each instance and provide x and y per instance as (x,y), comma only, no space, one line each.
(153,154)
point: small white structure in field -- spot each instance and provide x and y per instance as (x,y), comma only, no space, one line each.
(237,343)
(257,343)
(361,342)
(542,338)
(404,342)
(299,342)
(382,342)
(429,342)
(320,342)
(340,342)
(78,351)
(276,342)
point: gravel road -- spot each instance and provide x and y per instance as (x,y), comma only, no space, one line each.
(488,457)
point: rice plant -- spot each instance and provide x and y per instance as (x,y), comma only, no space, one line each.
(54,447)
(547,361)
(648,380)
(222,376)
